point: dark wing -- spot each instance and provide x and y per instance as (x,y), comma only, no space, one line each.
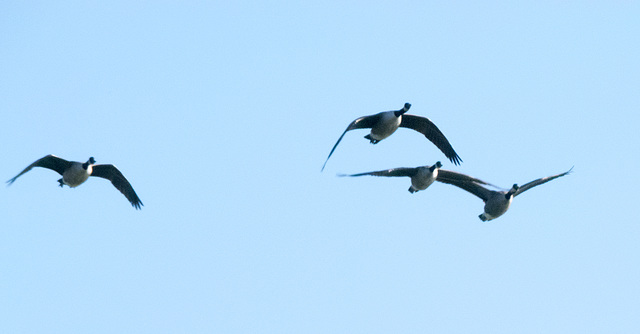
(110,172)
(447,175)
(50,161)
(363,122)
(431,131)
(539,182)
(466,184)
(402,171)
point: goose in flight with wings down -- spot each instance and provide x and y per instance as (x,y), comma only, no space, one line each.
(385,123)
(498,202)
(75,173)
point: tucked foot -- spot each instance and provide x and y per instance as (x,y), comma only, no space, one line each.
(371,140)
(61,183)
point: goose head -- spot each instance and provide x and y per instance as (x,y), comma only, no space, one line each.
(91,161)
(403,110)
(436,166)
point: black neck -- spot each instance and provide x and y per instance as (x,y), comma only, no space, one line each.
(399,113)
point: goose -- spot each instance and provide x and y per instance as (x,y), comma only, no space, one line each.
(422,177)
(498,202)
(75,173)
(385,123)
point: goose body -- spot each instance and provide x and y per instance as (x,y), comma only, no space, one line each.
(422,177)
(76,173)
(498,202)
(385,123)
(388,122)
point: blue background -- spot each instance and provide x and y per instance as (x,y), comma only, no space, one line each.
(221,115)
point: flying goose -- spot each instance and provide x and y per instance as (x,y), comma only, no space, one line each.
(422,177)
(384,124)
(75,173)
(498,202)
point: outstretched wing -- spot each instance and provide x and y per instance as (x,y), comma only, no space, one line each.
(111,173)
(50,161)
(363,122)
(447,175)
(402,171)
(431,131)
(465,182)
(538,182)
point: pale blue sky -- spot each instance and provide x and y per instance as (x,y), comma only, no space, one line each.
(221,115)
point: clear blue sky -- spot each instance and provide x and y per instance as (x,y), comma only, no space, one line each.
(221,115)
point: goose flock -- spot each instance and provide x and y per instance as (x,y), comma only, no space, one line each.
(384,124)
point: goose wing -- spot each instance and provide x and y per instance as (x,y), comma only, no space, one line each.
(50,161)
(402,171)
(466,183)
(431,131)
(111,173)
(538,182)
(363,122)
(447,175)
